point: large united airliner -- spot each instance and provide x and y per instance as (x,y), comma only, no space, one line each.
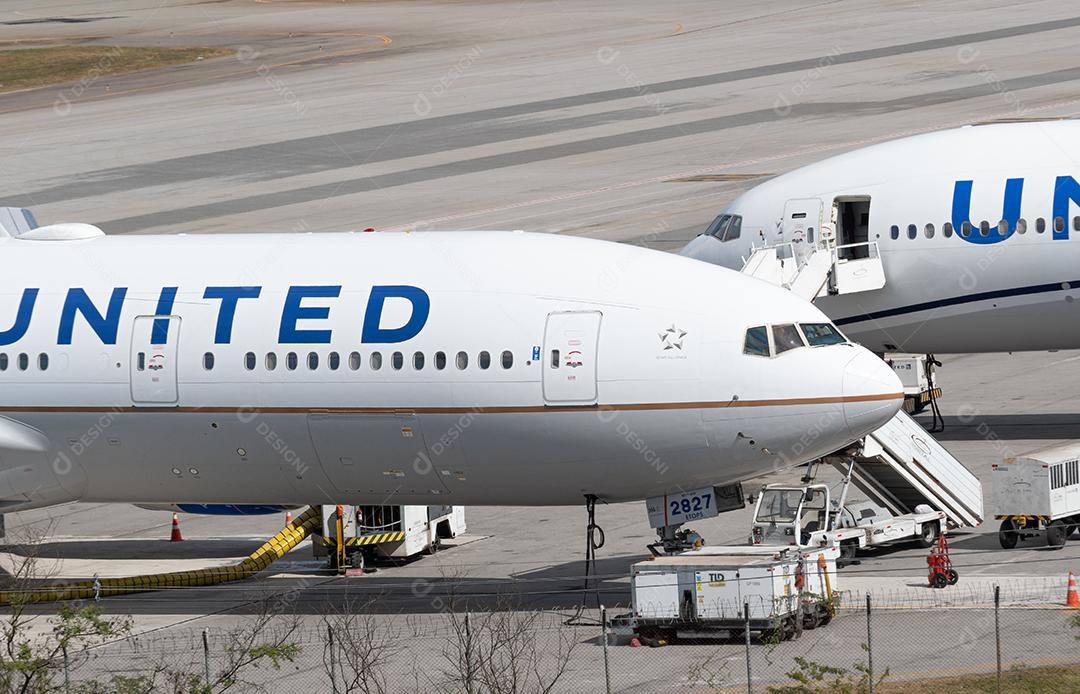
(456,367)
(972,226)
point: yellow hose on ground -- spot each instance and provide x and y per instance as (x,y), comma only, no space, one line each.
(274,548)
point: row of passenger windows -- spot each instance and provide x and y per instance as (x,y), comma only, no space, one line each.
(788,336)
(984,228)
(22,361)
(355,361)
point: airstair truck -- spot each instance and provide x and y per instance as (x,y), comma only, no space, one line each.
(1037,494)
(808,517)
(915,490)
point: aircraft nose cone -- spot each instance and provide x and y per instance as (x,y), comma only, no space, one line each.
(872,393)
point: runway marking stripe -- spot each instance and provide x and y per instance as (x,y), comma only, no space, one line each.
(516,409)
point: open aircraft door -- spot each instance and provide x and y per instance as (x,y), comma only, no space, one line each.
(571,345)
(154,353)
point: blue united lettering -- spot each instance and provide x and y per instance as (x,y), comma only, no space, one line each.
(305,314)
(1066,193)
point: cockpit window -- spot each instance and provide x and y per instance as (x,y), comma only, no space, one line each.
(725,227)
(757,342)
(818,334)
(734,228)
(786,337)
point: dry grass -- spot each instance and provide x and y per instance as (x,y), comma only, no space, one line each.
(1058,679)
(26,68)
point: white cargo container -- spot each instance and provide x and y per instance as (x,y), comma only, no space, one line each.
(1038,493)
(706,591)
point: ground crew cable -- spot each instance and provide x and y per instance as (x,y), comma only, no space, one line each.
(937,422)
(273,549)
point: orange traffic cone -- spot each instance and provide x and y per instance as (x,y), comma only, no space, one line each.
(175,537)
(1073,598)
(288,517)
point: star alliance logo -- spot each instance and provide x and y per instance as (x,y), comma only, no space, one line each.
(672,338)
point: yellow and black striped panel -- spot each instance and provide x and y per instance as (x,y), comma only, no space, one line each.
(924,396)
(374,539)
(1023,520)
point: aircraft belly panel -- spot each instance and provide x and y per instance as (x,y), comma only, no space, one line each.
(377,458)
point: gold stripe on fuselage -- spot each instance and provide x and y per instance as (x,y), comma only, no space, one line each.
(786,402)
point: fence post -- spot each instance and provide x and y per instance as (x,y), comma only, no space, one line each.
(206,656)
(468,657)
(997,633)
(869,648)
(333,663)
(607,664)
(746,616)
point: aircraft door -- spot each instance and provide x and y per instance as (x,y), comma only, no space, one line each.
(154,351)
(802,225)
(571,345)
(852,223)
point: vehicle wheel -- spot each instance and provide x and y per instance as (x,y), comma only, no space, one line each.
(826,617)
(434,547)
(1008,535)
(952,577)
(356,560)
(940,580)
(1056,534)
(847,551)
(929,534)
(812,620)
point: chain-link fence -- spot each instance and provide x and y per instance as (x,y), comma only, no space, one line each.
(869,645)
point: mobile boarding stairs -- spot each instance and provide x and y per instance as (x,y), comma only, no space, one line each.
(812,270)
(900,466)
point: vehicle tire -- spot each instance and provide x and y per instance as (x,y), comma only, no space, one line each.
(848,551)
(826,617)
(812,619)
(940,580)
(356,560)
(1057,533)
(952,577)
(929,534)
(434,547)
(1008,535)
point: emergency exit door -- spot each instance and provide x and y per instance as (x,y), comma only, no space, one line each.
(154,352)
(571,345)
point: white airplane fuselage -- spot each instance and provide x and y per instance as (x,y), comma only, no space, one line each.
(1007,282)
(455,367)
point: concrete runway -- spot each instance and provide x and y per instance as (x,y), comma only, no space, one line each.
(627,121)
